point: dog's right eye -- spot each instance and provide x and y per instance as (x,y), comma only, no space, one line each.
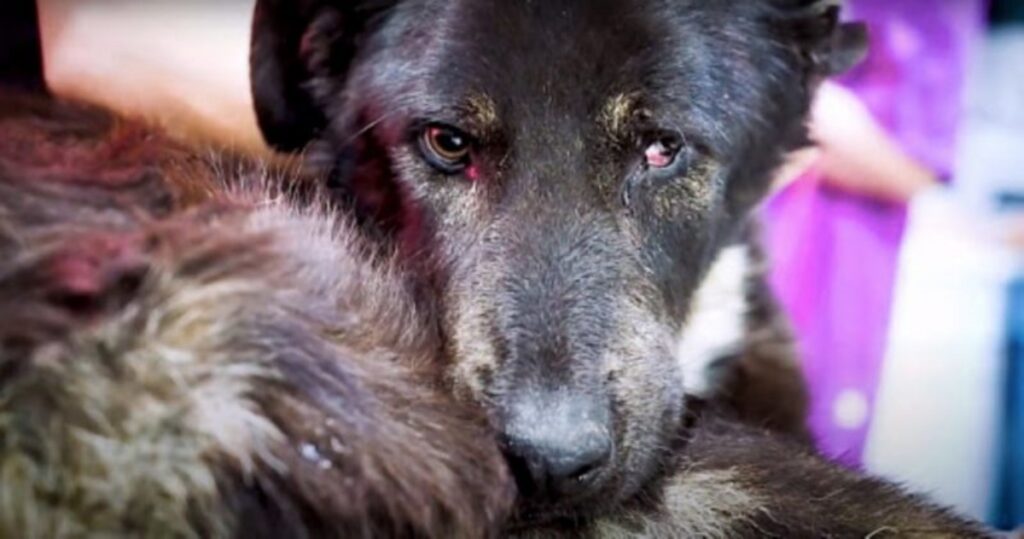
(445,148)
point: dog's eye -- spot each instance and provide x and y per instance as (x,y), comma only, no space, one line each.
(666,157)
(663,151)
(445,148)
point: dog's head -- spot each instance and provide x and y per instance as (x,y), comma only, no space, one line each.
(571,169)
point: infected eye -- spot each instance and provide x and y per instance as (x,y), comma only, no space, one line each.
(663,152)
(667,156)
(445,148)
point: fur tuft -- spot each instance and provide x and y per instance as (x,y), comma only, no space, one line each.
(225,359)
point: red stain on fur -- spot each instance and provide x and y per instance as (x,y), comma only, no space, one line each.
(94,273)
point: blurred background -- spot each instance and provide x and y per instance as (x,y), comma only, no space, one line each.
(897,242)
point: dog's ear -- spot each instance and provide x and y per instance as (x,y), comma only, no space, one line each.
(829,46)
(297,45)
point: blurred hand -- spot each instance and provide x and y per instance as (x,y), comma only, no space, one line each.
(183,65)
(853,152)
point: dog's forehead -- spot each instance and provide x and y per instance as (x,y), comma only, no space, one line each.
(558,31)
(554,69)
(491,55)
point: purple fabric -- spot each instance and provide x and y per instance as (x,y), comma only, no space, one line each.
(835,254)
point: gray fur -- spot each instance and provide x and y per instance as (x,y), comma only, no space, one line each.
(218,356)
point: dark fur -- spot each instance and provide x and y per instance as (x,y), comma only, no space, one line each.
(561,268)
(189,349)
(138,281)
(735,481)
(564,271)
(761,383)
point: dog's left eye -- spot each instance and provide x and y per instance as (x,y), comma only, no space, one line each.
(445,148)
(666,156)
(663,152)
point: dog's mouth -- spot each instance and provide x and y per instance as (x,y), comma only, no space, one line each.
(534,516)
(572,516)
(565,513)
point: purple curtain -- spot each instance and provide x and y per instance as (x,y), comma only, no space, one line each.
(834,253)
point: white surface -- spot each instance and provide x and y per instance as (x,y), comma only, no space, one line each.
(991,154)
(940,397)
(939,401)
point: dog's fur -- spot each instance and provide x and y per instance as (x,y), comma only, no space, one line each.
(750,368)
(568,274)
(190,349)
(276,375)
(737,482)
(184,352)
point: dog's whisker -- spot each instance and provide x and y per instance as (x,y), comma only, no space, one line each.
(369,126)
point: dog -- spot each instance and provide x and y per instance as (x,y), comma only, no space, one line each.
(571,180)
(196,345)
(554,226)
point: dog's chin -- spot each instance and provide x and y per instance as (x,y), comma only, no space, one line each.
(534,514)
(533,517)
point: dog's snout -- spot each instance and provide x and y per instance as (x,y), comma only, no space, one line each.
(558,449)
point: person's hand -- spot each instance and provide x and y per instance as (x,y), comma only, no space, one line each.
(853,152)
(183,65)
(857,154)
(797,164)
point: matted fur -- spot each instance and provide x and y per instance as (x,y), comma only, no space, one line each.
(186,350)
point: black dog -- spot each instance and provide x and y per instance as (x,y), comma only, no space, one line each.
(566,175)
(189,349)
(568,178)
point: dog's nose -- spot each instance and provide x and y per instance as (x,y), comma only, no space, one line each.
(559,469)
(558,449)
